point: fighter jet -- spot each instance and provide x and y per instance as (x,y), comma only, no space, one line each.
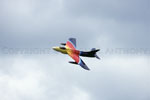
(70,48)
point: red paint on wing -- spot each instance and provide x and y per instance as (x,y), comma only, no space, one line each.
(76,52)
(70,45)
(76,58)
(75,55)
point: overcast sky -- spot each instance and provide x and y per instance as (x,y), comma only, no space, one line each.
(104,24)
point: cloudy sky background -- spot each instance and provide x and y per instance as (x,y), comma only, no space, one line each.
(102,24)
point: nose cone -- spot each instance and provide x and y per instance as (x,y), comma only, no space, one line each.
(55,48)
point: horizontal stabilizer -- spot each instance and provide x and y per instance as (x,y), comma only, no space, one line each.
(97,56)
(94,51)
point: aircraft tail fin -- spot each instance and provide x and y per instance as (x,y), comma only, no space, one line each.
(94,51)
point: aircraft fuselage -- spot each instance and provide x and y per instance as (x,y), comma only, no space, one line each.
(66,50)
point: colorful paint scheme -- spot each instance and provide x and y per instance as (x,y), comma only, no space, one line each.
(70,48)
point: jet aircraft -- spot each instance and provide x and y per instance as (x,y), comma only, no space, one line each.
(70,48)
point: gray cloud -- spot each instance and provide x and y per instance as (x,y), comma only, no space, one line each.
(112,78)
(123,23)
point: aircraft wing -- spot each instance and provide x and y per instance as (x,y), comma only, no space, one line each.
(74,54)
(71,43)
(78,61)
(83,65)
